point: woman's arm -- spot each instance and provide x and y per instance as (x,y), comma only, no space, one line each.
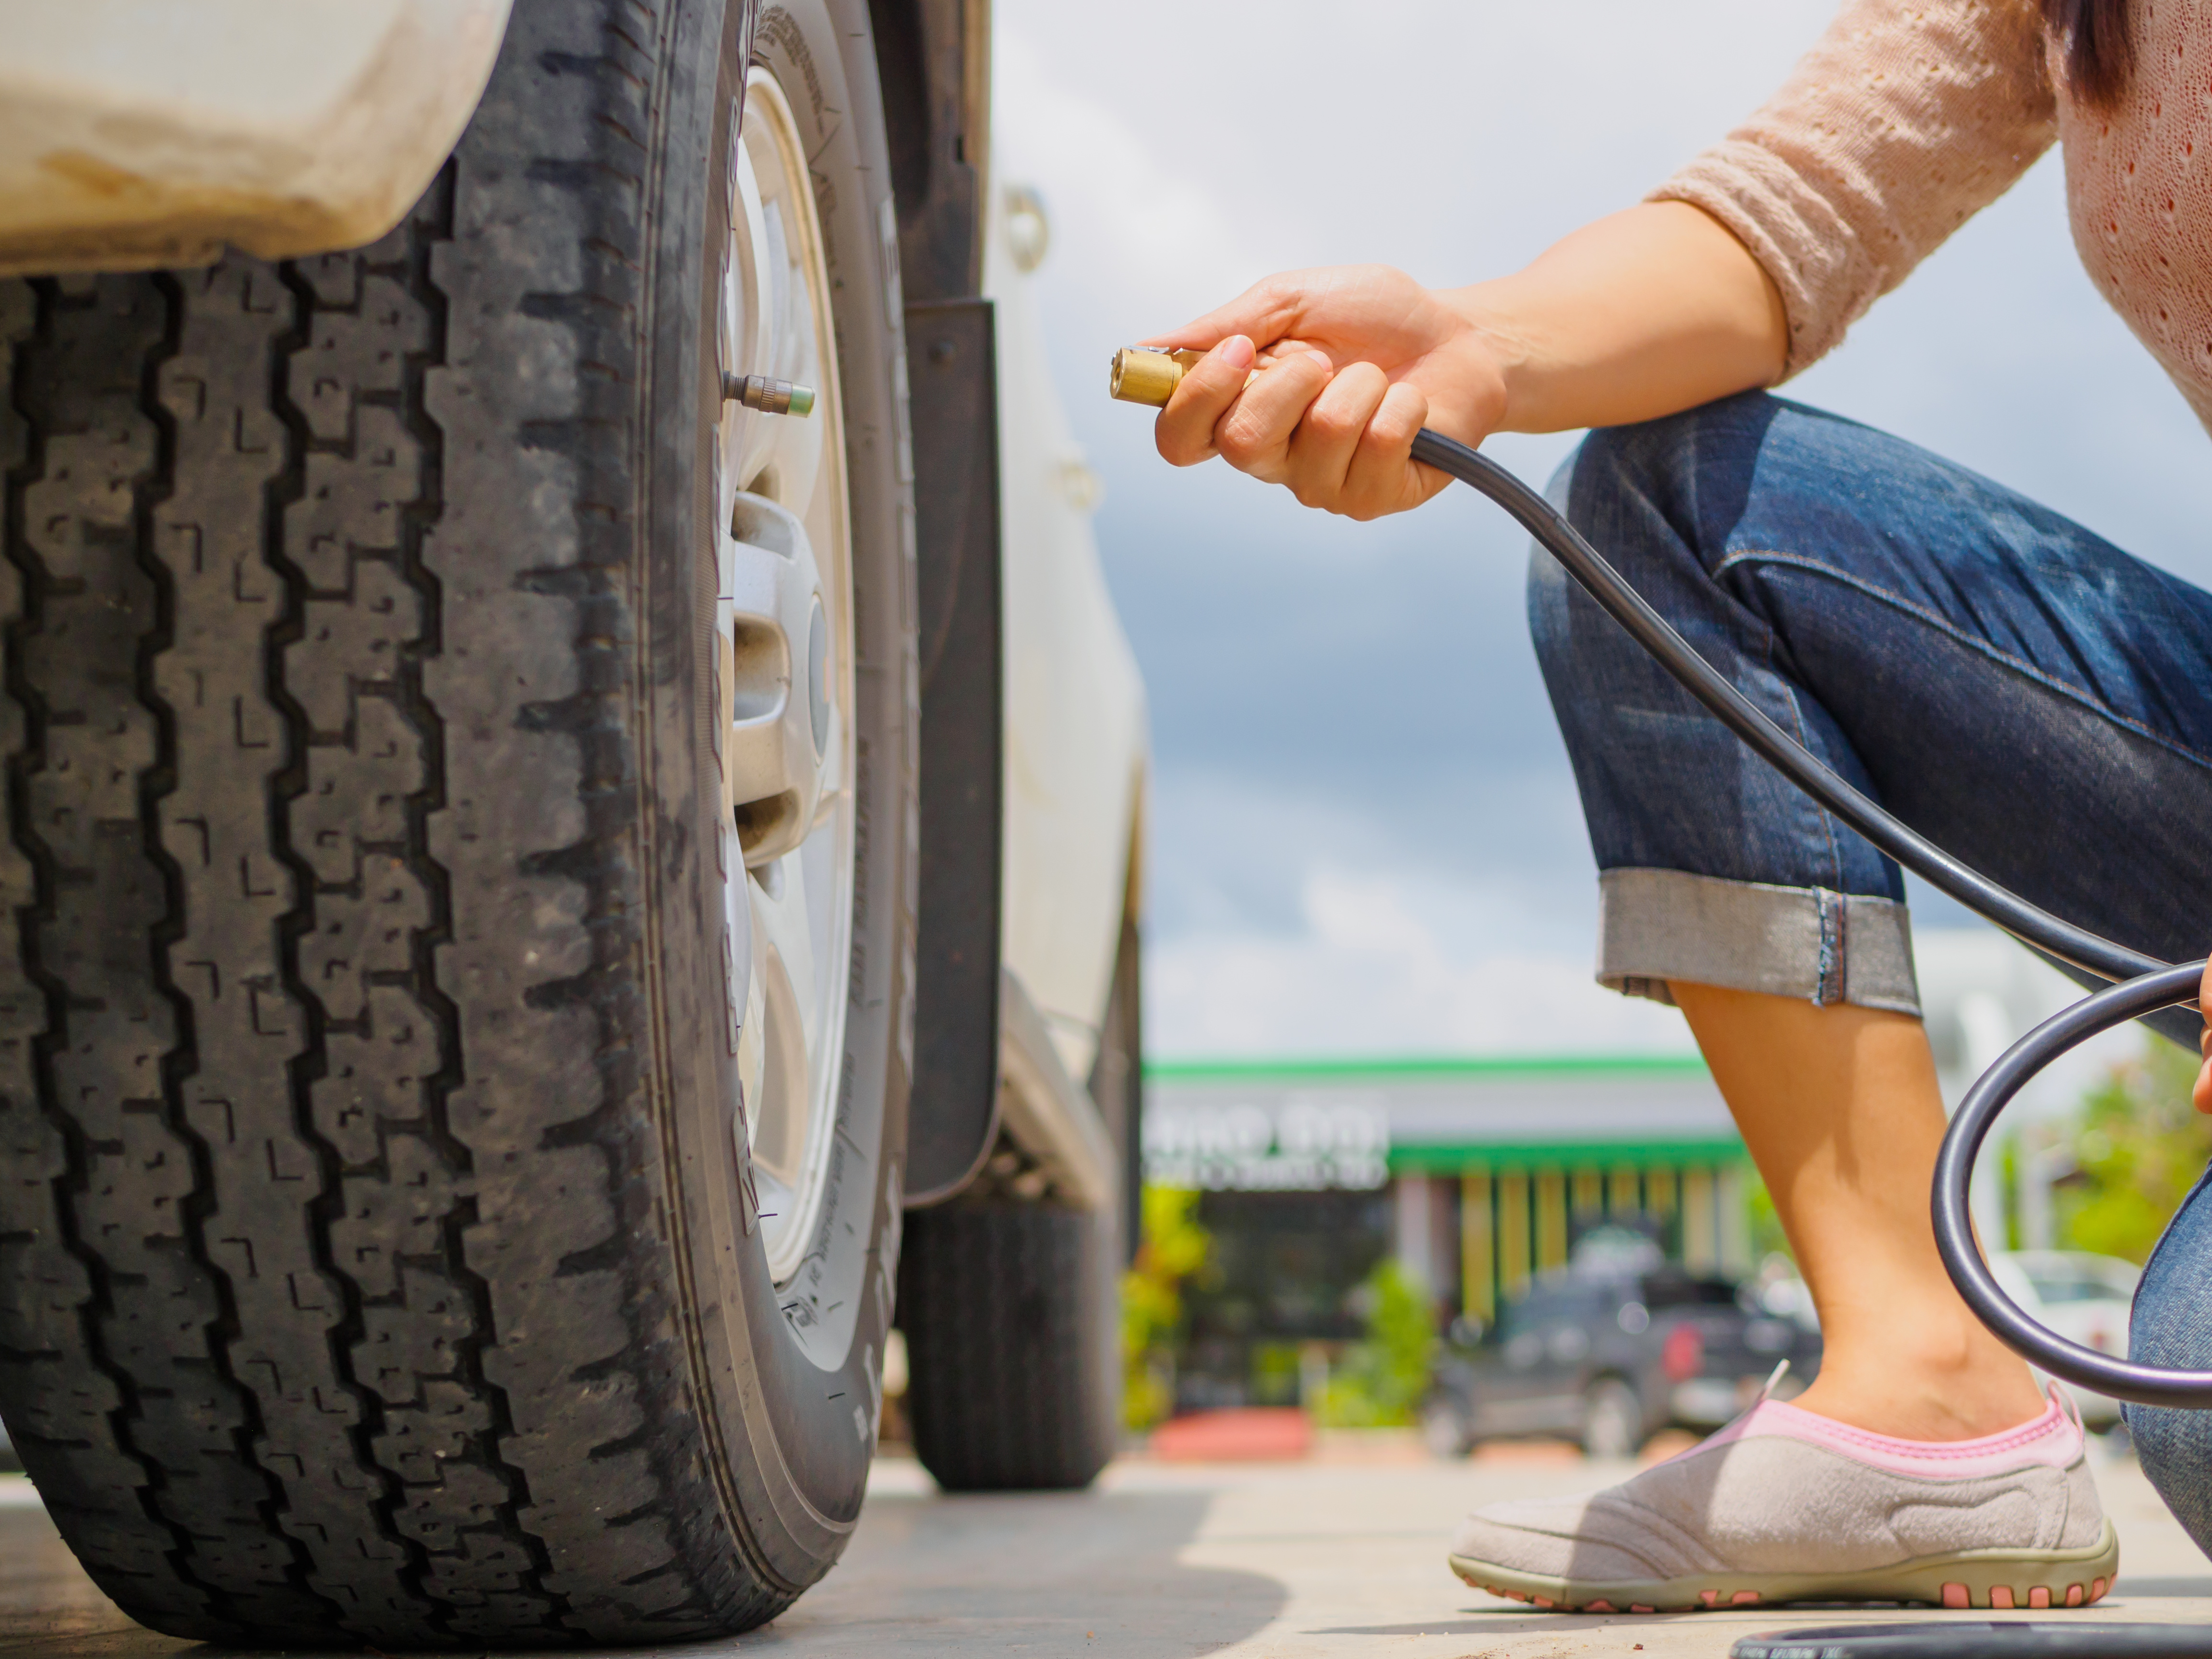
(1642,314)
(1648,312)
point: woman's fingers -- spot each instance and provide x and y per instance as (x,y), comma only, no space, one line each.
(1184,430)
(1322,448)
(1339,439)
(2201,1094)
(1382,477)
(1351,451)
(1254,436)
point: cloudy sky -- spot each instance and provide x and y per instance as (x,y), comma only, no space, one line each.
(1365,838)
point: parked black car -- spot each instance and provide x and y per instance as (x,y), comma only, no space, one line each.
(1609,1358)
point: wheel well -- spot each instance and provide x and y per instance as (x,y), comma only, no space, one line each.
(934,59)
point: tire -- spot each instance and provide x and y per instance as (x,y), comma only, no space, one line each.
(1010,1310)
(1612,1419)
(1012,1307)
(376,1265)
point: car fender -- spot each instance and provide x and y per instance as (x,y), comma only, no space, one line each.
(1076,735)
(136,134)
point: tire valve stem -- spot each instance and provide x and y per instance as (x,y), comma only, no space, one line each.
(770,397)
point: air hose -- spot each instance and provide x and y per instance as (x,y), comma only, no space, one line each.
(2145,984)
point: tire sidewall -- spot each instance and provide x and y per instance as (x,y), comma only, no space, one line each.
(792,1374)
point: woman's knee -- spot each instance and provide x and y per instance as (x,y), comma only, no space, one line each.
(1667,466)
(2171,1328)
(1633,491)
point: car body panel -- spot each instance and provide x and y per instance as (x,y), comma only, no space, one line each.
(143,133)
(1075,719)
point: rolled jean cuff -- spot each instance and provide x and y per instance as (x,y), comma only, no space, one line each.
(1658,926)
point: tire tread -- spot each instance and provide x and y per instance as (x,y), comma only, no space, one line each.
(308,1232)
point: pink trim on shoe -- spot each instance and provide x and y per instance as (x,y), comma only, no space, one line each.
(2053,1439)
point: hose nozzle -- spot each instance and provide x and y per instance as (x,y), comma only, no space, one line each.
(770,397)
(1141,375)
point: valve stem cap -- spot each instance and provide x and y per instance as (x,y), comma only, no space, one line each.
(770,397)
(1141,376)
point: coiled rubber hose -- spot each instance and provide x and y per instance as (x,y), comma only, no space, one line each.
(2147,984)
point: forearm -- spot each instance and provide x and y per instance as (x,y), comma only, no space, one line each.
(1646,313)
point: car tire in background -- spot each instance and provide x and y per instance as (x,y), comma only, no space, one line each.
(1013,1369)
(1612,1419)
(380,1257)
(1445,1430)
(1010,1300)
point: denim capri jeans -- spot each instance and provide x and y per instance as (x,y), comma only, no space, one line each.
(2023,693)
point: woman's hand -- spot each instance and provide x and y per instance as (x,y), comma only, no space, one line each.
(1354,360)
(2201,1095)
(1654,310)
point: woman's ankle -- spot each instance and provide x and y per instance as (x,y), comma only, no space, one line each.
(1911,1402)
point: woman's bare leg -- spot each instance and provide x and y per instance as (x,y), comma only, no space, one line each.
(1840,1111)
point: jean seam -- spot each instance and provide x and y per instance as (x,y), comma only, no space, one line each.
(2005,658)
(1797,725)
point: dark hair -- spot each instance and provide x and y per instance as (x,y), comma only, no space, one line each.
(2098,50)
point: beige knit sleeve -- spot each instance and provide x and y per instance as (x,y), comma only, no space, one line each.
(1906,119)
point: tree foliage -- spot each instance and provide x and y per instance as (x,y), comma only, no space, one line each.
(1173,1248)
(1382,1377)
(2138,1146)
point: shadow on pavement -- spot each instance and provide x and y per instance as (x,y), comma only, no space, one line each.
(1059,1572)
(48,1606)
(1092,1572)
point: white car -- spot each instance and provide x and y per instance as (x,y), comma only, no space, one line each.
(570,761)
(2085,1298)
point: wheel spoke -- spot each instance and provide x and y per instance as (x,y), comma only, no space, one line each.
(773,758)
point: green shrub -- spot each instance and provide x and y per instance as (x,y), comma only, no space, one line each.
(1174,1246)
(1382,1377)
(2138,1146)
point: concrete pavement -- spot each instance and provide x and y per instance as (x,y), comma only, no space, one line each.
(1162,1561)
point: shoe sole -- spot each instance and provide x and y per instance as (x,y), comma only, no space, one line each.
(1965,1578)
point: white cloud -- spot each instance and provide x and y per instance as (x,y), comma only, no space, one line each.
(1138,242)
(1372,973)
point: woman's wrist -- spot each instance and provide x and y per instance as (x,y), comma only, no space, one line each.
(1655,310)
(1481,362)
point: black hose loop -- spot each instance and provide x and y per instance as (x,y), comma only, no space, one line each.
(2085,1368)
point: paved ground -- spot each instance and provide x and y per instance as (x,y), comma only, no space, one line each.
(1162,1562)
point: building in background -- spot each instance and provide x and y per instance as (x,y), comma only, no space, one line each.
(1473,1175)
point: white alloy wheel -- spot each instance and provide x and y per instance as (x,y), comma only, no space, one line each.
(784,613)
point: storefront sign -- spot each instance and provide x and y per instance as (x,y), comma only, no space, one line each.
(1298,1142)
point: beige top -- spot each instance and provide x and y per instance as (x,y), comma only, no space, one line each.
(1910,115)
